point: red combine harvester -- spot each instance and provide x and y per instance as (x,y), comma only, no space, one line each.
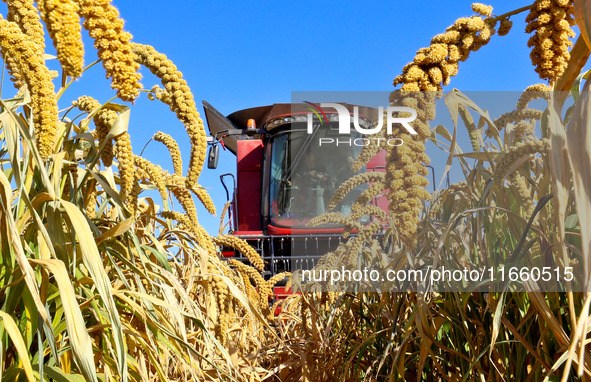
(286,174)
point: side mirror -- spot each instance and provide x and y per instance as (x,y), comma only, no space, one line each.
(212,157)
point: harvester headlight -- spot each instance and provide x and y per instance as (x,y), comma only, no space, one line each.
(364,122)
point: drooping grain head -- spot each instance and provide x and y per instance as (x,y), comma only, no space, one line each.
(24,54)
(102,21)
(63,24)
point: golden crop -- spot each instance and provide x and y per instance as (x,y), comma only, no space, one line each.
(551,20)
(63,24)
(102,21)
(29,66)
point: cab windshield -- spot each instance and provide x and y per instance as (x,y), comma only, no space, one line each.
(306,170)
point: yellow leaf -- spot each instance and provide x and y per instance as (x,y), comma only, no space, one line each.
(79,338)
(19,343)
(116,230)
(583,19)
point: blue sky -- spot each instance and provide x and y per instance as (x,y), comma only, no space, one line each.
(237,55)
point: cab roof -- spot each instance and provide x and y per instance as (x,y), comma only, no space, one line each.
(235,122)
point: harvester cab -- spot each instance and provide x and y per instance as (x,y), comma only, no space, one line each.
(290,161)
